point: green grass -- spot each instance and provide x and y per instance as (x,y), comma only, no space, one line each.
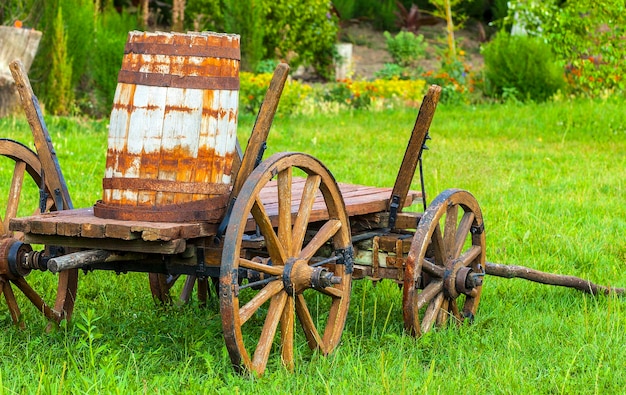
(550,180)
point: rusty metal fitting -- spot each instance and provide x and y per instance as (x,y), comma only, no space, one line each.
(322,278)
(14,260)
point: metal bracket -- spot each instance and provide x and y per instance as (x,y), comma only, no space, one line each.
(477,230)
(346,258)
(393,211)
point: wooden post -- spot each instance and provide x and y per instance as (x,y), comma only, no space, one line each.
(15,43)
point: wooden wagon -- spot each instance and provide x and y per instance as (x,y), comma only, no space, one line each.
(281,240)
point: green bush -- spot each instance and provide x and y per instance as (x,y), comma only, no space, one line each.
(247,18)
(524,63)
(305,33)
(588,35)
(406,48)
(60,94)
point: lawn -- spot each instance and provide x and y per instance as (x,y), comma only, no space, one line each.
(550,181)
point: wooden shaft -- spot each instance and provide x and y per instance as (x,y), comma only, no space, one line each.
(513,271)
(261,127)
(43,142)
(414,149)
(87,257)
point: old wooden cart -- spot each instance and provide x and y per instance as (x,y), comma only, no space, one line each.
(284,246)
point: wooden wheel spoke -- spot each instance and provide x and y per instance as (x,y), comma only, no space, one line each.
(431,313)
(304,211)
(14,194)
(270,290)
(284,208)
(274,247)
(332,291)
(432,269)
(203,290)
(287,333)
(463,230)
(442,317)
(431,290)
(260,267)
(275,311)
(454,309)
(438,247)
(308,326)
(326,232)
(36,299)
(450,227)
(470,255)
(9,297)
(185,295)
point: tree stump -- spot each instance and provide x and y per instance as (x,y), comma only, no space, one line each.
(15,43)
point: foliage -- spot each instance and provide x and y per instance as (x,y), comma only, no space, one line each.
(456,80)
(26,11)
(589,37)
(247,18)
(60,93)
(303,34)
(524,63)
(108,50)
(254,86)
(201,15)
(381,13)
(392,71)
(302,98)
(406,48)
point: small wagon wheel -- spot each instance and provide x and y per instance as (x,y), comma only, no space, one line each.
(444,269)
(11,246)
(304,271)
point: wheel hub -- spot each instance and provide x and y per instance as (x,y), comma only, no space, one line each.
(461,279)
(298,276)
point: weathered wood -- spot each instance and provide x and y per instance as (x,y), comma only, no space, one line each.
(173,128)
(43,142)
(413,151)
(82,223)
(514,271)
(149,247)
(15,43)
(262,125)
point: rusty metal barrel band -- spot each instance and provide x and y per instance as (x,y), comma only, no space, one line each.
(202,188)
(177,81)
(209,210)
(206,51)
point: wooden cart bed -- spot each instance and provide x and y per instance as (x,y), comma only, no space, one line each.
(80,228)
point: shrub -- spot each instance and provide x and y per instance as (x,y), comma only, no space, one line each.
(589,37)
(302,34)
(524,63)
(406,48)
(252,89)
(247,18)
(60,93)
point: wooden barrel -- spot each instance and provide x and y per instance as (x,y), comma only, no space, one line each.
(172,133)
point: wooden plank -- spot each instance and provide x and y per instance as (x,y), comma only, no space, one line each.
(414,149)
(151,247)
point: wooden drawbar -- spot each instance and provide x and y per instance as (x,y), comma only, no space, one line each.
(172,133)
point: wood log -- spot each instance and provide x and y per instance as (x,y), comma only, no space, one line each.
(514,271)
(15,43)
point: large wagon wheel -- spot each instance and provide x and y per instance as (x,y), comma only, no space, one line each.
(305,271)
(11,246)
(444,269)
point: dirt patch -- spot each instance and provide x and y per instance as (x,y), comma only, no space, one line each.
(369,51)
